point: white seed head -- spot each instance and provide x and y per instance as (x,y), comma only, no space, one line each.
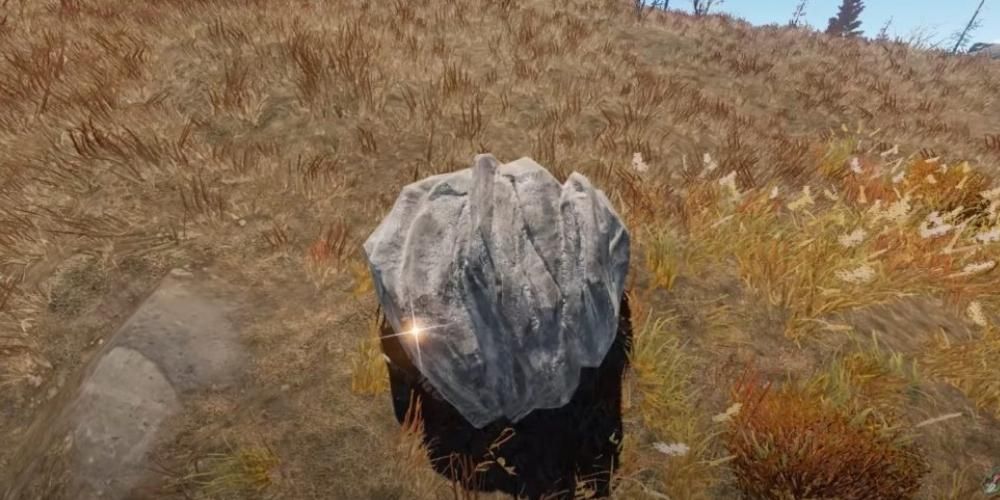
(730,412)
(638,164)
(709,163)
(978,267)
(934,226)
(898,211)
(852,239)
(856,165)
(858,276)
(976,314)
(991,194)
(991,236)
(974,268)
(672,449)
(890,152)
(729,182)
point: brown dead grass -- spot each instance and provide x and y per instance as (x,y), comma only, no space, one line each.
(267,139)
(788,445)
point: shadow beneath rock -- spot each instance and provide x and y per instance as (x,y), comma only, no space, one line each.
(543,455)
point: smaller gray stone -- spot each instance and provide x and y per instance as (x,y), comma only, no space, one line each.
(187,333)
(117,422)
(178,342)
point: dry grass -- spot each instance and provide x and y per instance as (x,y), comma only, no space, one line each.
(665,401)
(789,446)
(411,462)
(968,364)
(267,140)
(369,375)
(235,473)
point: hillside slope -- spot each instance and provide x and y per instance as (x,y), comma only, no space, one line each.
(265,141)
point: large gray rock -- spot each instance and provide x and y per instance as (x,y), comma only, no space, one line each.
(514,280)
(991,50)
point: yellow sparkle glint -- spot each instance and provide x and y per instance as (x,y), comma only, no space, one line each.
(416,332)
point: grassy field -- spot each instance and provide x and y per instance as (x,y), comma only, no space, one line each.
(815,221)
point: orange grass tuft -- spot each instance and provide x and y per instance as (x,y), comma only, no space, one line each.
(790,445)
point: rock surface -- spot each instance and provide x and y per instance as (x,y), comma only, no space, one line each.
(180,340)
(990,49)
(513,280)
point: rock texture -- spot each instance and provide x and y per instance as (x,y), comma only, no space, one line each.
(96,441)
(990,49)
(514,281)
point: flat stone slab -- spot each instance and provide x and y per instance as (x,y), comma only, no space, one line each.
(115,419)
(179,341)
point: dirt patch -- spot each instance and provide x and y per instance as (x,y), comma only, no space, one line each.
(908,324)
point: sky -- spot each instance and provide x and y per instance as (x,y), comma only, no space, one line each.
(934,16)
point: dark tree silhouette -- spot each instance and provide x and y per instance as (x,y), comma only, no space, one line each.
(962,37)
(799,14)
(701,7)
(847,22)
